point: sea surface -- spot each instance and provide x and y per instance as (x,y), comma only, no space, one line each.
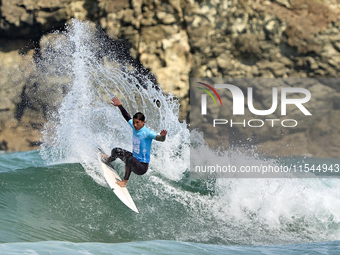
(60,209)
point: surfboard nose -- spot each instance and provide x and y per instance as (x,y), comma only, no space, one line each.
(111,177)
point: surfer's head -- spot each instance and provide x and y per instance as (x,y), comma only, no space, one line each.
(138,120)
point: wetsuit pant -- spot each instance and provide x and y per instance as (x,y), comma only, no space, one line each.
(131,163)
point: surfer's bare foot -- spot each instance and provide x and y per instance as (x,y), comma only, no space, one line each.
(105,158)
(122,183)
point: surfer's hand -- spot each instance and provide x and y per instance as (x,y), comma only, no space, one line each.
(162,136)
(115,101)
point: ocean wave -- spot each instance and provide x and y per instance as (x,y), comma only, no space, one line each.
(62,202)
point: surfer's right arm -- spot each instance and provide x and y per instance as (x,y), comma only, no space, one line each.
(115,101)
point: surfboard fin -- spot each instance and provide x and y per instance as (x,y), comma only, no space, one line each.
(100,150)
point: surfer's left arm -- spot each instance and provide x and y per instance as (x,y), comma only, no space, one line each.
(161,137)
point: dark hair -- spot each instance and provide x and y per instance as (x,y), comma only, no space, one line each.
(139,116)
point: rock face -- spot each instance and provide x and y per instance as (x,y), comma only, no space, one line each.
(177,40)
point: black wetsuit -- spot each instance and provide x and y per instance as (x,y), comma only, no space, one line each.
(131,163)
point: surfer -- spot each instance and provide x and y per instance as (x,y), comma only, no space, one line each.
(138,161)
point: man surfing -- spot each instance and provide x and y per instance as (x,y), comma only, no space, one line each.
(138,161)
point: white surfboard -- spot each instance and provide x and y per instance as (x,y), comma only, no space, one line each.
(111,177)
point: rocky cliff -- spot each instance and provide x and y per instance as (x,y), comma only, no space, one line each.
(175,40)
